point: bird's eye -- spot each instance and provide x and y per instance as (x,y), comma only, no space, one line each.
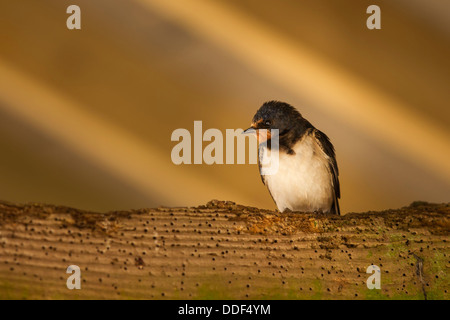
(267,122)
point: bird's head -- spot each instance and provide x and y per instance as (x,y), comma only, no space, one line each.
(273,115)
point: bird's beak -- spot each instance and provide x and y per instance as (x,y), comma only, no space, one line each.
(250,130)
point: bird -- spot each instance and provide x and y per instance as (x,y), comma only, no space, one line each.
(307,177)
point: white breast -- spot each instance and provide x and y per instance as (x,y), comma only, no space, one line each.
(303,181)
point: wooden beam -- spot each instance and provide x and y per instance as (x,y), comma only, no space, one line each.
(223,251)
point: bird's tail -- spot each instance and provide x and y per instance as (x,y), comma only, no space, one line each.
(335,207)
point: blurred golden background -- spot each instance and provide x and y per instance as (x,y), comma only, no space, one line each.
(86,115)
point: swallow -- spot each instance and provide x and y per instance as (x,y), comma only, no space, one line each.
(307,178)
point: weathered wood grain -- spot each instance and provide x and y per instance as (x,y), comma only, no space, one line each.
(223,251)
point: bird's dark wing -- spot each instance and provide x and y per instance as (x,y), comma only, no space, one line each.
(327,147)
